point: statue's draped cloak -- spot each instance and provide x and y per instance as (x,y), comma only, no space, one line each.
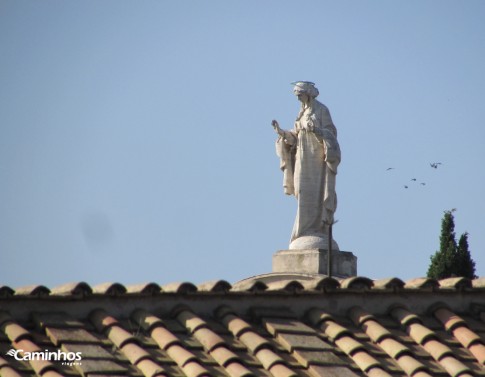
(309,157)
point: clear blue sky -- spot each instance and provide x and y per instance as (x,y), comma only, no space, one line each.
(136,145)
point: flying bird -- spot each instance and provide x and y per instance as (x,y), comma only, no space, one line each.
(413,179)
(435,164)
(405,186)
(423,183)
(389,169)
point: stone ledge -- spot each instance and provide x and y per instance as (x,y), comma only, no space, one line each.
(314,261)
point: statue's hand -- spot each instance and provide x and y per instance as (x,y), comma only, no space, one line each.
(276,127)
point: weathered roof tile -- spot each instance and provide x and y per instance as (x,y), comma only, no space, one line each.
(6,291)
(179,287)
(80,289)
(435,335)
(33,290)
(148,289)
(110,289)
(221,286)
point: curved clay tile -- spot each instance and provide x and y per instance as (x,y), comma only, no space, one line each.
(357,283)
(461,331)
(286,286)
(250,286)
(422,283)
(430,342)
(110,289)
(343,339)
(21,339)
(33,290)
(179,287)
(324,284)
(148,289)
(260,347)
(126,343)
(458,283)
(479,283)
(387,342)
(168,342)
(212,343)
(6,291)
(215,286)
(75,289)
(392,284)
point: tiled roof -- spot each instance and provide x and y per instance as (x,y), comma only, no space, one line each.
(308,326)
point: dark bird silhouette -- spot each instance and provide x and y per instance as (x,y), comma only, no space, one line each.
(389,169)
(405,186)
(435,164)
(423,183)
(413,179)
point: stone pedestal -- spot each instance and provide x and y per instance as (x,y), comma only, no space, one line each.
(314,261)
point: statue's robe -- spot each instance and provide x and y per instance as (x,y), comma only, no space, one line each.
(309,157)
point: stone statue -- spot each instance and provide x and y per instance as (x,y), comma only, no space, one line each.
(309,156)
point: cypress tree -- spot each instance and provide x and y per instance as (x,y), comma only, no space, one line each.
(442,261)
(465,263)
(451,259)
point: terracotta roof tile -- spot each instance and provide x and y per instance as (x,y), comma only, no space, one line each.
(391,284)
(79,289)
(8,371)
(180,355)
(223,356)
(254,342)
(399,352)
(349,345)
(236,325)
(188,319)
(164,338)
(455,283)
(366,362)
(280,370)
(324,284)
(208,339)
(179,287)
(6,291)
(334,330)
(213,330)
(462,333)
(394,348)
(286,286)
(479,283)
(194,369)
(250,286)
(268,358)
(150,369)
(420,333)
(147,321)
(148,289)
(236,369)
(15,332)
(422,284)
(357,283)
(110,289)
(214,286)
(33,290)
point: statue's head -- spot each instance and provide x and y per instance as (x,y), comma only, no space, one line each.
(305,87)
